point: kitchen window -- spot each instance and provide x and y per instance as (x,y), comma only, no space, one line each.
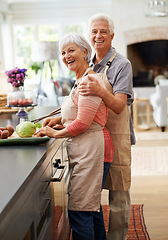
(24,35)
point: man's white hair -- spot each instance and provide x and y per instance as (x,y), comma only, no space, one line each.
(102,16)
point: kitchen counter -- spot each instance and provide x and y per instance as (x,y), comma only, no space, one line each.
(20,164)
(17,162)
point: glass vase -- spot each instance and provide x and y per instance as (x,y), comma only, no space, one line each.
(21,99)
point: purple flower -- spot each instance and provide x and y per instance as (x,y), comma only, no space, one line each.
(16,76)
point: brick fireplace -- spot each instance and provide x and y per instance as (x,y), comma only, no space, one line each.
(147,49)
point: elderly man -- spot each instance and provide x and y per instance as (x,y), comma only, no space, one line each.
(118,95)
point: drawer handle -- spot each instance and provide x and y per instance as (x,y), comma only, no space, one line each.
(57,163)
(59,174)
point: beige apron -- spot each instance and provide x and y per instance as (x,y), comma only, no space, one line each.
(86,158)
(119,177)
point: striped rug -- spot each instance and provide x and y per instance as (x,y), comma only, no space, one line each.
(137,229)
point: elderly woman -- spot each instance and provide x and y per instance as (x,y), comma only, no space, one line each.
(88,143)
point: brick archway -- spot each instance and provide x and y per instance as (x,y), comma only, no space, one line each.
(147,51)
(146,34)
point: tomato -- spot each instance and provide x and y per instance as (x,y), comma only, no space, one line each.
(30,101)
(20,101)
(14,102)
(25,102)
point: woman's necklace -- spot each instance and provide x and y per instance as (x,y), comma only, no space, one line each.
(85,73)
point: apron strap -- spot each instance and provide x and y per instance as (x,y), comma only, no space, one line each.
(109,62)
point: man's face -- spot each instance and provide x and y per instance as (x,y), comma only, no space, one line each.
(100,36)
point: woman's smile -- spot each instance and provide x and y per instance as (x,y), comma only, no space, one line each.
(72,61)
(74,58)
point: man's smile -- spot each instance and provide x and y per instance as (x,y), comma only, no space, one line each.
(99,41)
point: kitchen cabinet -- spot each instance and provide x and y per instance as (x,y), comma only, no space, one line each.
(33,188)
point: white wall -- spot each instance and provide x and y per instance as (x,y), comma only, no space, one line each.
(127,15)
(3,11)
(130,15)
(58,11)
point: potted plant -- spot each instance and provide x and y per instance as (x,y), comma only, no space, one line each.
(36,66)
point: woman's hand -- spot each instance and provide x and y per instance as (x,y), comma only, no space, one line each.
(50,122)
(46,131)
(52,133)
(58,127)
(91,87)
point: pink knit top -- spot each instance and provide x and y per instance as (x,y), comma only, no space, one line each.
(91,108)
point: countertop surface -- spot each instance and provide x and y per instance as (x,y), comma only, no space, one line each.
(17,162)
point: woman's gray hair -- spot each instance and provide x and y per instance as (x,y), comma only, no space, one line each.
(79,40)
(102,16)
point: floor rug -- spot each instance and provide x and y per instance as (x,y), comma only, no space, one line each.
(137,229)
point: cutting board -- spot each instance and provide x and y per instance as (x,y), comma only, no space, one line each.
(23,141)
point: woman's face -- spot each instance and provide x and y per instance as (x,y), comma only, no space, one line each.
(73,57)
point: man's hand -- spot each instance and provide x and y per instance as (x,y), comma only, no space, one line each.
(115,102)
(91,87)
